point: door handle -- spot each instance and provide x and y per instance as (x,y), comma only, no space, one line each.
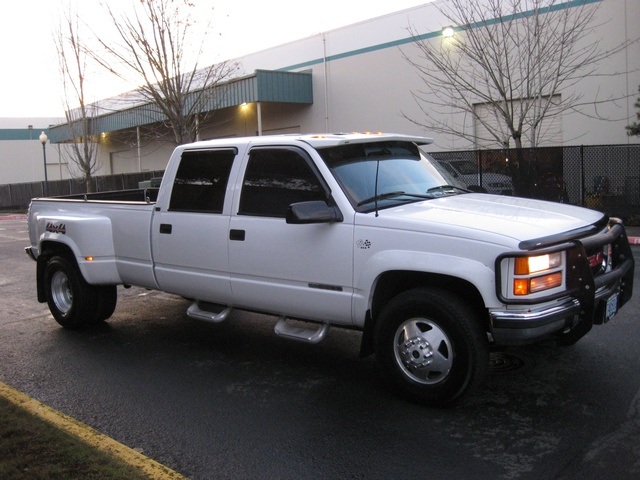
(237,235)
(166,228)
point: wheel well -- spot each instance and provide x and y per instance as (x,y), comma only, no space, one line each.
(48,250)
(393,283)
(55,248)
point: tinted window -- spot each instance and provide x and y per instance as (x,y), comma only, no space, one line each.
(276,178)
(201,181)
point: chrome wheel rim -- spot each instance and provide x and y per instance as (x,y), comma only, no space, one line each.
(423,351)
(61,293)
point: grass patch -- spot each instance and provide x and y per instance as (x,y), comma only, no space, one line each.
(31,448)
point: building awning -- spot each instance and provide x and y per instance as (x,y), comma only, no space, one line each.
(261,86)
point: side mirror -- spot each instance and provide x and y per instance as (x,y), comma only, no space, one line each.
(313,212)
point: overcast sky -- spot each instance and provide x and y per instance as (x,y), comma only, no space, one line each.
(30,82)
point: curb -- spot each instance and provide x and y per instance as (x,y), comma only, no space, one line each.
(90,436)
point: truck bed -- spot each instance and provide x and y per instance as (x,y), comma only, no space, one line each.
(146,195)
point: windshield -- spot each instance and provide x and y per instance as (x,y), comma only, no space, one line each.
(403,173)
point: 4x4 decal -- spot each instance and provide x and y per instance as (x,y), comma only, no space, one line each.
(53,228)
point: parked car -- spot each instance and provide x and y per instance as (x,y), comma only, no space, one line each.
(466,172)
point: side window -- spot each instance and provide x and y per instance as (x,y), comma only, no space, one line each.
(201,181)
(276,178)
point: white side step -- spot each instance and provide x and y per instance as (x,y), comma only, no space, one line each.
(307,335)
(209,312)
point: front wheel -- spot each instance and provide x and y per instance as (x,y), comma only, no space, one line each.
(430,346)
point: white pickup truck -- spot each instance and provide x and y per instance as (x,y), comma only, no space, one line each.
(361,231)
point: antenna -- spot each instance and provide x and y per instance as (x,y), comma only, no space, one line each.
(375,193)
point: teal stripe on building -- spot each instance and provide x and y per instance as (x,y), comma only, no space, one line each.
(22,133)
(407,40)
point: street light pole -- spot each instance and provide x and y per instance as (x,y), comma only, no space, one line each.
(43,139)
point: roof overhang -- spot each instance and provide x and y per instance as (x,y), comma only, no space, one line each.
(261,86)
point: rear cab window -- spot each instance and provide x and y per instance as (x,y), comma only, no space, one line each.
(201,181)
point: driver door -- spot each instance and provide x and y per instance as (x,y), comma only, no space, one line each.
(303,271)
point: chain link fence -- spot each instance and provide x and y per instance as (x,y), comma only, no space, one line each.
(601,177)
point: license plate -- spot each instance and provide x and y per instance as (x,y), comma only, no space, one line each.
(611,308)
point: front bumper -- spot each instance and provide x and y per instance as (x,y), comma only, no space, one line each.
(520,328)
(591,300)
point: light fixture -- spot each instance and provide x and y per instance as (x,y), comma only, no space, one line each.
(43,139)
(448,31)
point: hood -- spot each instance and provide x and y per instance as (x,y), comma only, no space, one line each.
(514,219)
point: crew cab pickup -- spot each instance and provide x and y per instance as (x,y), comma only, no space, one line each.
(361,231)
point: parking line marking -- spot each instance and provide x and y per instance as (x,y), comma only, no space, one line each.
(90,436)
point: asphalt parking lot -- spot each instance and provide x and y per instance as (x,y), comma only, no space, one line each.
(235,401)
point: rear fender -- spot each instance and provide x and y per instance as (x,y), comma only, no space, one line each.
(88,239)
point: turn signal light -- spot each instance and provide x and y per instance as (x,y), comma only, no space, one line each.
(521,286)
(546,282)
(525,286)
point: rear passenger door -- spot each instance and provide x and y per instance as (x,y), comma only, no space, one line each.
(190,234)
(295,270)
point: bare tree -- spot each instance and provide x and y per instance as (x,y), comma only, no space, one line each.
(634,128)
(508,68)
(82,141)
(155,50)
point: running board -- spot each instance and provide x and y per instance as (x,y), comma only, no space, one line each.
(209,312)
(307,335)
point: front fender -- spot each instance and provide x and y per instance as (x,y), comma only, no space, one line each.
(471,271)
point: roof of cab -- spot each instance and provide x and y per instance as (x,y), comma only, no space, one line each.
(332,140)
(315,140)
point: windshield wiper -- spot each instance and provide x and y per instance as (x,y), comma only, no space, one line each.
(384,196)
(442,189)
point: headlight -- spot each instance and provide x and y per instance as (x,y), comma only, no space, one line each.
(534,276)
(527,265)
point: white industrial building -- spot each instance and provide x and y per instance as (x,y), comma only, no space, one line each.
(356,78)
(22,155)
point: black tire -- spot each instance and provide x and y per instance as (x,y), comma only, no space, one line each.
(430,346)
(72,301)
(106,300)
